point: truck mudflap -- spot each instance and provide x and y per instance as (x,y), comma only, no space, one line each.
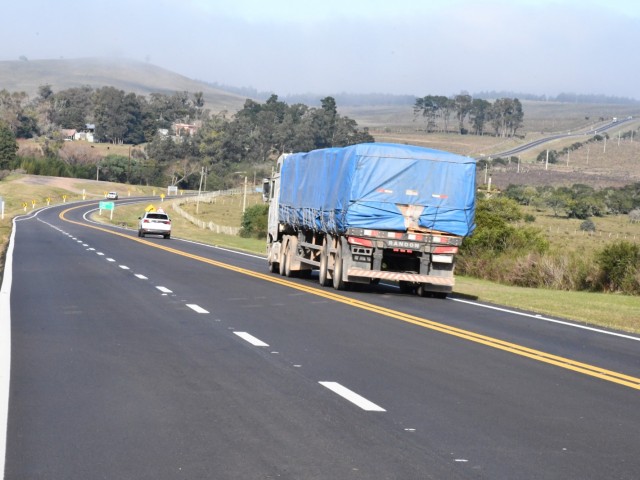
(399,276)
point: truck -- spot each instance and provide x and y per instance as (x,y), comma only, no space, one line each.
(371,212)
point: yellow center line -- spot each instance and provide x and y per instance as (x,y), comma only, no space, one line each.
(538,355)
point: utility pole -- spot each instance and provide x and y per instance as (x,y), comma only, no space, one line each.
(546,162)
(244,197)
(199,190)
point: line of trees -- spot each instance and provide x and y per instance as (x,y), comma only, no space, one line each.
(505,115)
(580,201)
(219,144)
(119,117)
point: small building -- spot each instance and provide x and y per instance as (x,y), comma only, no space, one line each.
(184,129)
(86,133)
(68,134)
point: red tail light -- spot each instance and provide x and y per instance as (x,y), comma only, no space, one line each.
(363,242)
(445,250)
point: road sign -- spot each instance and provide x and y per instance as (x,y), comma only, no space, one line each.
(107,205)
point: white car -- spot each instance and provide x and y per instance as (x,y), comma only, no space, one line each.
(155,223)
(112,195)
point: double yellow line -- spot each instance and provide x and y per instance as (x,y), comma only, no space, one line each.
(538,355)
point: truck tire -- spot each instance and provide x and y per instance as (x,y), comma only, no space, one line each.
(292,246)
(406,287)
(423,292)
(273,267)
(283,256)
(324,279)
(338,283)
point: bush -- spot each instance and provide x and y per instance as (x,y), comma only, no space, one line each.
(495,234)
(619,265)
(254,221)
(588,226)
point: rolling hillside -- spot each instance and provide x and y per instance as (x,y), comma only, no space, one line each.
(128,75)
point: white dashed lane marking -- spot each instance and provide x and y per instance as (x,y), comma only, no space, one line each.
(353,397)
(196,308)
(251,339)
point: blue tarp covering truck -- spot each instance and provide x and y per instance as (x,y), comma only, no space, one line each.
(371,212)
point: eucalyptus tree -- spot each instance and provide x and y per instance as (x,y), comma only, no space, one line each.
(8,146)
(479,114)
(462,104)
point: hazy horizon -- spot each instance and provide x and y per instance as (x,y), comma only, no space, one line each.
(539,47)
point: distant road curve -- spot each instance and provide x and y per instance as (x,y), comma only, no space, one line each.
(540,141)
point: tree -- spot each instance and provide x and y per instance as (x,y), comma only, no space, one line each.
(119,117)
(71,108)
(8,147)
(433,107)
(324,123)
(479,114)
(462,104)
(506,115)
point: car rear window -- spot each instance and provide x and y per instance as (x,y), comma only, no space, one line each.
(158,216)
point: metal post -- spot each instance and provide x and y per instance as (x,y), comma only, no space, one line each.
(244,197)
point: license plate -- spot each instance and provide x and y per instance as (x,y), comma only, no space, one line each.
(403,244)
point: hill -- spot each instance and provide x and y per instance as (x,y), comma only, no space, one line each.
(123,74)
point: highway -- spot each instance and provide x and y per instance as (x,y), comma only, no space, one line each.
(583,133)
(146,358)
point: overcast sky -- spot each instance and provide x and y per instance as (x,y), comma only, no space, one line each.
(413,47)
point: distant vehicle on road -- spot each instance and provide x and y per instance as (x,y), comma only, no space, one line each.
(155,223)
(112,195)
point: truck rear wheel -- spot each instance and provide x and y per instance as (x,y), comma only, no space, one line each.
(323,278)
(292,246)
(283,256)
(273,267)
(338,283)
(423,292)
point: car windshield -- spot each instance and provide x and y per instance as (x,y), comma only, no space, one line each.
(157,216)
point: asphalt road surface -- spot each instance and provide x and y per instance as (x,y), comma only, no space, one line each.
(164,359)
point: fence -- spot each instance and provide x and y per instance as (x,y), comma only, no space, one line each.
(207,197)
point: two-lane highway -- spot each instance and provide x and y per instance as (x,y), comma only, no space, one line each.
(149,358)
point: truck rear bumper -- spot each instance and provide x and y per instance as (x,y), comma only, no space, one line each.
(398,276)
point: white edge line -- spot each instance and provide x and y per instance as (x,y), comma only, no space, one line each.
(353,397)
(256,342)
(196,308)
(164,289)
(217,247)
(5,346)
(547,319)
